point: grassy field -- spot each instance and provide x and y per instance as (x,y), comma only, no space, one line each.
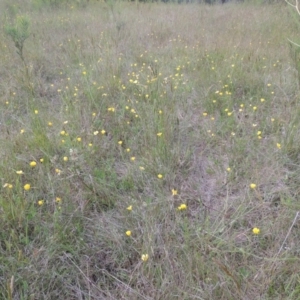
(149,151)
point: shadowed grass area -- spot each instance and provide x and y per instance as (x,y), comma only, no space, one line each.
(149,151)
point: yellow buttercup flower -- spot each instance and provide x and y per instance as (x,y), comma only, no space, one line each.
(128,233)
(252,185)
(20,172)
(40,202)
(160,176)
(145,257)
(27,187)
(8,185)
(256,230)
(182,207)
(129,208)
(32,164)
(174,192)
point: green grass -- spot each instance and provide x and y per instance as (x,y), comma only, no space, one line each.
(108,96)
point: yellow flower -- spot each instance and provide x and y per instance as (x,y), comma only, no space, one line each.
(128,150)
(62,132)
(57,200)
(129,208)
(22,131)
(96,132)
(66,158)
(120,142)
(112,109)
(103,131)
(41,160)
(256,230)
(36,111)
(8,185)
(174,192)
(40,202)
(145,257)
(58,171)
(132,158)
(50,124)
(205,114)
(90,144)
(228,169)
(27,187)
(159,134)
(160,176)
(79,139)
(20,172)
(128,233)
(32,164)
(142,168)
(252,185)
(254,108)
(259,132)
(262,100)
(182,207)
(278,146)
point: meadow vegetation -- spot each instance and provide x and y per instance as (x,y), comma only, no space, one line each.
(149,151)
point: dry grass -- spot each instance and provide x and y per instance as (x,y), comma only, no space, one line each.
(118,93)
